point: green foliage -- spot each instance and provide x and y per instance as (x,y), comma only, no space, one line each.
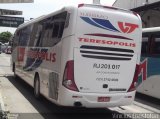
(5,36)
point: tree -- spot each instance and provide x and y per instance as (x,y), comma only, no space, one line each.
(5,36)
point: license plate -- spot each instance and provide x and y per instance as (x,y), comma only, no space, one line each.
(103,99)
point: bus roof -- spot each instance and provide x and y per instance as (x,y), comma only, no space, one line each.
(108,7)
(67,7)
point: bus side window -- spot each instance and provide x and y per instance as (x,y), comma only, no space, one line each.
(35,34)
(25,36)
(53,29)
(67,20)
(16,39)
(151,44)
(47,27)
(144,50)
(156,48)
(61,28)
(59,25)
(57,32)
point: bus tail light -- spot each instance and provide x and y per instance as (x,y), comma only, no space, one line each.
(134,82)
(68,76)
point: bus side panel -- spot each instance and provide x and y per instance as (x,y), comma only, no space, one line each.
(149,76)
(149,73)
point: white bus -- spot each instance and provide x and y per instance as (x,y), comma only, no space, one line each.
(149,74)
(80,56)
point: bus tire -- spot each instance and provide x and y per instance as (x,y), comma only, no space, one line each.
(37,87)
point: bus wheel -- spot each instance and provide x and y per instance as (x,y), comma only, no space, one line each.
(36,87)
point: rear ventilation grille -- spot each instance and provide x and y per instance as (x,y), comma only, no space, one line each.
(106,53)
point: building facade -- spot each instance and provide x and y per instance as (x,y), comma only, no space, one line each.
(149,10)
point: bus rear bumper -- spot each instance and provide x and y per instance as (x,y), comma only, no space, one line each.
(90,100)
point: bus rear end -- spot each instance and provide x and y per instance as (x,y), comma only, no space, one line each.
(106,53)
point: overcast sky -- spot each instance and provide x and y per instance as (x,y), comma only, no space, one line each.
(41,7)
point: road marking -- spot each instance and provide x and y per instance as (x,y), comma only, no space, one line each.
(136,110)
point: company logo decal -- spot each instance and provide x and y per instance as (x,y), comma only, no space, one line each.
(143,69)
(127,27)
(107,42)
(107,25)
(21,52)
(41,55)
(35,57)
(142,72)
(101,23)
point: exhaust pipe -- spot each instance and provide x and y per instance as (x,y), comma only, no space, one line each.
(77,104)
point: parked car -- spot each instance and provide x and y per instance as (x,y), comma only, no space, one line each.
(8,50)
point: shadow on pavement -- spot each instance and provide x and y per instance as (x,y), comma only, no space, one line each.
(148,100)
